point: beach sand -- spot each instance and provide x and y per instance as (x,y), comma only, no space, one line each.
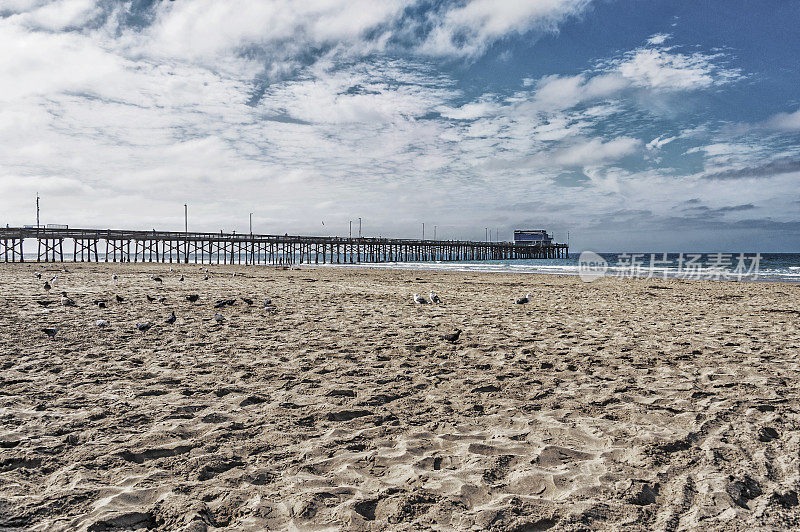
(619,404)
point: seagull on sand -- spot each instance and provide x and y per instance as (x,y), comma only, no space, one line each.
(452,337)
(143,326)
(47,286)
(101,323)
(66,301)
(223,302)
(181,279)
(247,300)
(114,276)
(192,297)
(156,279)
(149,299)
(50,331)
(45,303)
(434,298)
(205,278)
(218,318)
(523,300)
(419,299)
(171,318)
(38,275)
(101,303)
(54,279)
(119,299)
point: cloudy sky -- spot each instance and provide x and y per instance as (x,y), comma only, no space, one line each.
(634,125)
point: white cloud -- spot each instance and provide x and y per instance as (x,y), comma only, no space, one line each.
(467,30)
(785,121)
(659,142)
(658,39)
(664,70)
(595,151)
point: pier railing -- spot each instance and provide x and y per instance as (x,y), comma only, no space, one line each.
(235,248)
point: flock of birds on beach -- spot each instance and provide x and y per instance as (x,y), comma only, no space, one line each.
(67,301)
(268,306)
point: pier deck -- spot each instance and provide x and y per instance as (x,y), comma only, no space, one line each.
(233,248)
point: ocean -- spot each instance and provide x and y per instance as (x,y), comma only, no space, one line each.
(690,266)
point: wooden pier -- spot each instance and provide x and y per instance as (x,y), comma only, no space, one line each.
(233,248)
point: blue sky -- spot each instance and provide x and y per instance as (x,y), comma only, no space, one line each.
(632,124)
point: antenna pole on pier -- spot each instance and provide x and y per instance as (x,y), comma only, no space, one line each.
(359,227)
(487,234)
(351,228)
(251,223)
(37,210)
(434,232)
(185,218)
(423,230)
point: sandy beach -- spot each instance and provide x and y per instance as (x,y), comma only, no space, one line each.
(619,404)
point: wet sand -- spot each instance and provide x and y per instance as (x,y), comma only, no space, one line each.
(620,404)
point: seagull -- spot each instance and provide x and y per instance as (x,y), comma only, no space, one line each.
(100,302)
(435,298)
(419,299)
(222,302)
(267,302)
(156,279)
(38,275)
(247,300)
(218,317)
(47,286)
(234,274)
(114,276)
(143,326)
(66,301)
(101,323)
(452,337)
(523,300)
(181,279)
(171,318)
(150,299)
(45,303)
(205,278)
(50,331)
(54,279)
(161,299)
(119,299)
(192,297)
